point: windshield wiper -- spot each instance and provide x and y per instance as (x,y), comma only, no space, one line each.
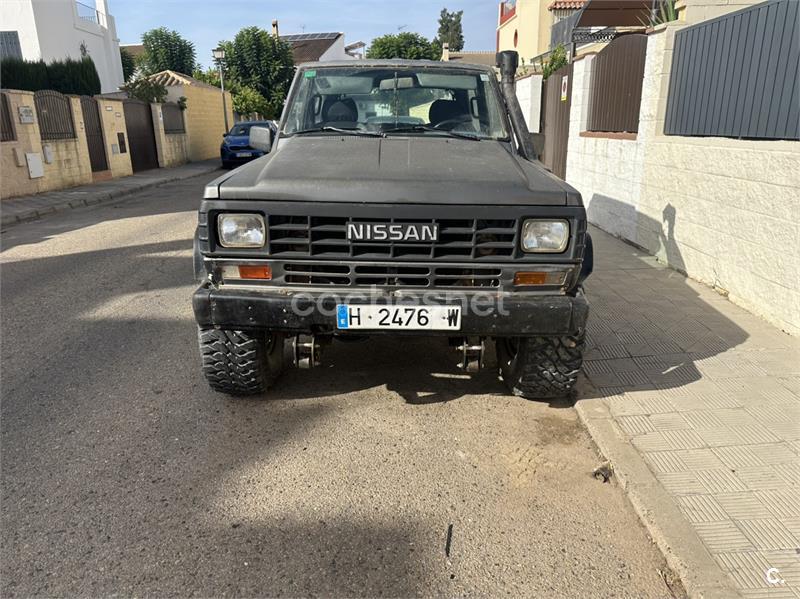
(411,128)
(341,131)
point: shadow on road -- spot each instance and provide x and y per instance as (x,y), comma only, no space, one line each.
(647,325)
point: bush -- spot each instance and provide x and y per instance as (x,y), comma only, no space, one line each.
(68,76)
(22,74)
(558,59)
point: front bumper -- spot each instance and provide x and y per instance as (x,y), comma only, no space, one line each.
(297,311)
(231,157)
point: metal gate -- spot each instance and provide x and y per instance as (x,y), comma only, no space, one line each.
(141,136)
(94,134)
(556,100)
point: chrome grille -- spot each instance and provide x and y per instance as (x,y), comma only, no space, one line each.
(322,274)
(326,237)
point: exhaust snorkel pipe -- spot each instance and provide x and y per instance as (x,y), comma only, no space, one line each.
(507,61)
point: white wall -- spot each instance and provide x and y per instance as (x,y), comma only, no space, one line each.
(724,211)
(607,172)
(529,95)
(695,11)
(17,15)
(51,30)
(336,51)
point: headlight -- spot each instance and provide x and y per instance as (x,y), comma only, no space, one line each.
(241,230)
(546,236)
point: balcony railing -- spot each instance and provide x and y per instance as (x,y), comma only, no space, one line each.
(91,14)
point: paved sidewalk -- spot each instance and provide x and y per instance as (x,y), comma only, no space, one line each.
(24,208)
(696,403)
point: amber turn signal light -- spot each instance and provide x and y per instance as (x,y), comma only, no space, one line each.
(523,278)
(261,273)
(530,278)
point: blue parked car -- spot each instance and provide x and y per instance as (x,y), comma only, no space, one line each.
(235,148)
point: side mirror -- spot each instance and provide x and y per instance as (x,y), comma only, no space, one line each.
(261,138)
(537,139)
(224,135)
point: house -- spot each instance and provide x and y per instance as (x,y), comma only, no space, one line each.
(486,57)
(524,25)
(563,9)
(56,29)
(320,47)
(204,117)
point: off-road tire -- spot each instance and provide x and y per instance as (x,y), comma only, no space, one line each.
(240,362)
(541,367)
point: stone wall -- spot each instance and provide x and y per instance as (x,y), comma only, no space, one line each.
(13,166)
(172,148)
(65,162)
(204,119)
(724,211)
(68,165)
(112,118)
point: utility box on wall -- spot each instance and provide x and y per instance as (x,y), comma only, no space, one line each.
(35,165)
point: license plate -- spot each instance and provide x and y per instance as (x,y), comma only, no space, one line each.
(405,318)
(243,154)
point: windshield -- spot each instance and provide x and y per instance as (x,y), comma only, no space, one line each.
(405,100)
(244,128)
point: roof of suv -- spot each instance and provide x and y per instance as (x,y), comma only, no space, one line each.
(396,62)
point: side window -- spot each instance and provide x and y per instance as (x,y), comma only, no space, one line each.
(299,116)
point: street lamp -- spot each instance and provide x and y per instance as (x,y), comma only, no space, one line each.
(219,56)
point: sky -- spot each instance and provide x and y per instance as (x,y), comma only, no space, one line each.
(206,22)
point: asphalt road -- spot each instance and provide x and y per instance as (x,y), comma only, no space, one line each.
(123,473)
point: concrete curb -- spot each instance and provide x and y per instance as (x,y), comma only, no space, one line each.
(682,548)
(96,198)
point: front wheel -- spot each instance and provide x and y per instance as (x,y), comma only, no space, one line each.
(541,367)
(240,362)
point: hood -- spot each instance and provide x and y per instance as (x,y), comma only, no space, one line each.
(395,170)
(237,140)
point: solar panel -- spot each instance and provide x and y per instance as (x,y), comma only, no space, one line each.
(306,37)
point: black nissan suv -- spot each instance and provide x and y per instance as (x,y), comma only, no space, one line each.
(399,198)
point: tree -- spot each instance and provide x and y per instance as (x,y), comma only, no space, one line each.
(558,59)
(407,45)
(166,49)
(128,64)
(450,30)
(146,90)
(246,100)
(210,76)
(262,62)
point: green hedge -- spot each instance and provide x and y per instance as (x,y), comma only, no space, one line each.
(67,76)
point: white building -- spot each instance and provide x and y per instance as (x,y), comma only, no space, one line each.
(57,29)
